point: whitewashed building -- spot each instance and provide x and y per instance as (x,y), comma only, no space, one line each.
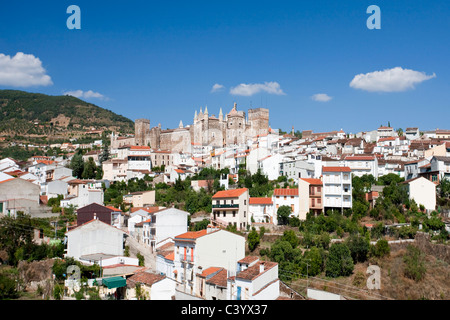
(254,280)
(95,237)
(337,188)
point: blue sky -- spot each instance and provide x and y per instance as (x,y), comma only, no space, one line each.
(160,60)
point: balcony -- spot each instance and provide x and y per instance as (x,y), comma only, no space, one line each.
(225,206)
(186,258)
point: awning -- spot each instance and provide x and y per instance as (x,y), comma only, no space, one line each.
(114,282)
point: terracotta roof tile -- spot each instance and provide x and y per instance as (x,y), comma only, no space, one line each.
(312,181)
(229,193)
(256,200)
(286,192)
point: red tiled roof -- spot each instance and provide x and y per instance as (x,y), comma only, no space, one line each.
(45,161)
(360,158)
(255,200)
(254,271)
(209,271)
(336,169)
(248,259)
(115,209)
(192,234)
(170,256)
(286,192)
(145,278)
(386,139)
(219,279)
(148,209)
(312,181)
(229,193)
(139,148)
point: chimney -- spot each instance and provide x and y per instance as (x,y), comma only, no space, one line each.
(95,216)
(261,267)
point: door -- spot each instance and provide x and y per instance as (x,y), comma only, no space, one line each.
(238,293)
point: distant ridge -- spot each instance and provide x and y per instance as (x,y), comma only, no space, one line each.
(33,114)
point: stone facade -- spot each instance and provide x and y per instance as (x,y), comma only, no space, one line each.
(232,129)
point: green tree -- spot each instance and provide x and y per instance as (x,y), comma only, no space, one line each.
(8,286)
(444,188)
(16,234)
(77,165)
(283,213)
(89,169)
(315,259)
(291,237)
(253,239)
(380,249)
(339,261)
(359,247)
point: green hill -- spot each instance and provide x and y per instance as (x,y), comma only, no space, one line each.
(33,114)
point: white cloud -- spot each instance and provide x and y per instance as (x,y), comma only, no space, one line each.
(22,70)
(389,80)
(321,97)
(217,87)
(85,94)
(254,88)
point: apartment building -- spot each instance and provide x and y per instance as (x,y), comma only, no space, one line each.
(196,251)
(361,165)
(231,207)
(286,197)
(311,197)
(337,188)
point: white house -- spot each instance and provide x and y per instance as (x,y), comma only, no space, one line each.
(136,217)
(94,237)
(196,251)
(85,196)
(261,209)
(423,191)
(442,165)
(337,188)
(163,224)
(361,165)
(55,188)
(270,165)
(212,283)
(153,286)
(230,207)
(18,195)
(286,197)
(311,196)
(254,280)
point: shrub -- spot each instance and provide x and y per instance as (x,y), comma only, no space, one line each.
(253,239)
(380,249)
(359,248)
(414,263)
(339,261)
